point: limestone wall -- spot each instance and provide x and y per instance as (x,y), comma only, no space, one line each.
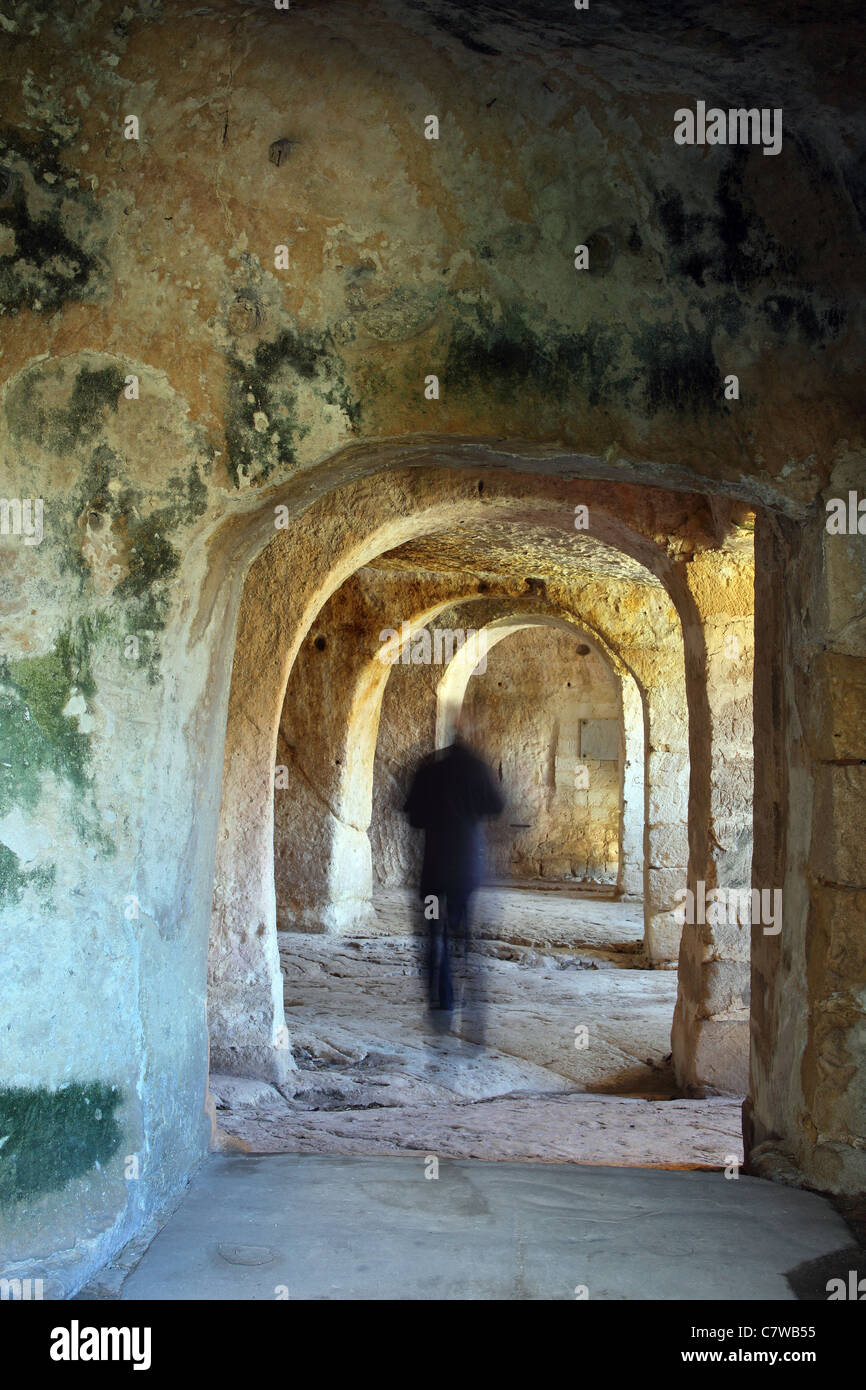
(406,735)
(524,710)
(167,382)
(527,710)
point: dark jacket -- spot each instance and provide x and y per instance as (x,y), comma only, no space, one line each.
(451,793)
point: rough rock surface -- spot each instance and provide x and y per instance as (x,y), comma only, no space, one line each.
(377,1076)
(151,263)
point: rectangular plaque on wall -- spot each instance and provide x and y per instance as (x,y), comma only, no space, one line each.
(599,739)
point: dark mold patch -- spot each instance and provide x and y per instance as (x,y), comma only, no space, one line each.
(783,312)
(94,393)
(502,357)
(679,370)
(46,266)
(660,368)
(153,558)
(150,555)
(731,249)
(52,1137)
(264,388)
(730,246)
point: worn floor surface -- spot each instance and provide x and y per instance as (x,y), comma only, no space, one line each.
(290,1226)
(574,1063)
(366,1179)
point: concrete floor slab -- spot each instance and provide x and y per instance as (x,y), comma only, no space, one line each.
(327,1227)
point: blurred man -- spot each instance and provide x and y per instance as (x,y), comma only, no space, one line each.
(451,794)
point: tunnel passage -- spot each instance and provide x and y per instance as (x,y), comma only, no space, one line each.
(151,263)
(334,670)
(582,815)
(664,620)
(347,1049)
(547,714)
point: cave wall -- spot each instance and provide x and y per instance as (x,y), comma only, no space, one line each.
(165,385)
(319,828)
(407,728)
(525,711)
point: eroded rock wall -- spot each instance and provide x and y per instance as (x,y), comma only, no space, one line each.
(165,383)
(562,813)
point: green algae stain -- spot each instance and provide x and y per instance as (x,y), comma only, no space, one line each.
(35,734)
(50,1137)
(14,881)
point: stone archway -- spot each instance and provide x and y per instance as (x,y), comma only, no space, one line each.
(248,1032)
(325,761)
(450,695)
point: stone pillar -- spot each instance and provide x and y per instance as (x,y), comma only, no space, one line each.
(632,764)
(325,750)
(658,671)
(665,826)
(246,1018)
(710,1033)
(803,1120)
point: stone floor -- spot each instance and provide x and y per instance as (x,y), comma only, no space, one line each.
(290,1226)
(365,1180)
(378,1075)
